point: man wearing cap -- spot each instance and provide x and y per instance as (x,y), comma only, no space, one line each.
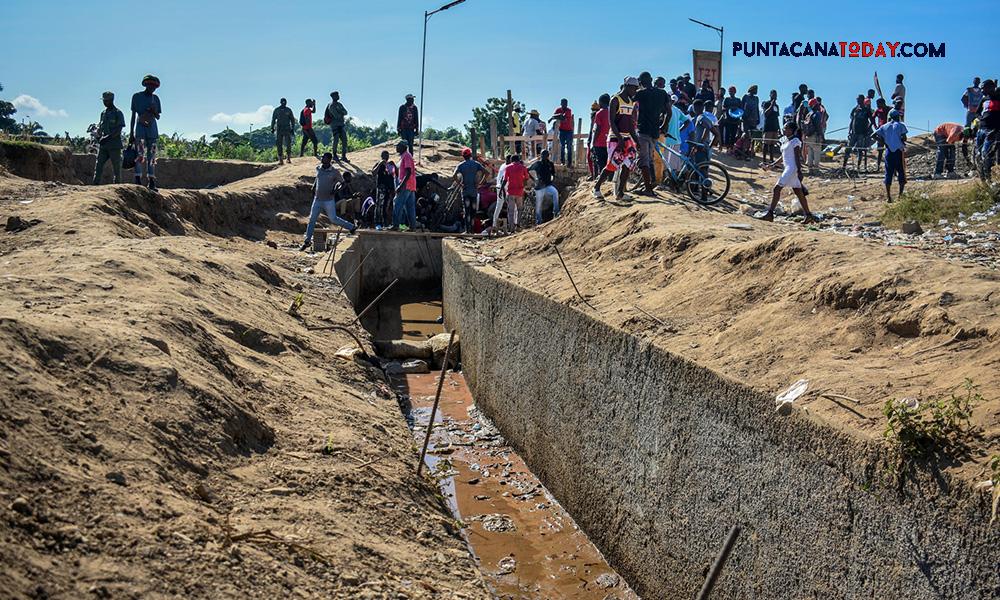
(408,121)
(143,135)
(893,134)
(622,140)
(468,173)
(109,132)
(564,117)
(335,117)
(283,126)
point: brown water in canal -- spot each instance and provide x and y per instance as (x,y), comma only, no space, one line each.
(527,545)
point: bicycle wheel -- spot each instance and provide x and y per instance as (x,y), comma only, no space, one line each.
(709,183)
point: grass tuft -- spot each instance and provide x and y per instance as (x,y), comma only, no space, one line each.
(928,209)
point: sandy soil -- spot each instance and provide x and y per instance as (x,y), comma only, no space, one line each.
(168,428)
(779,302)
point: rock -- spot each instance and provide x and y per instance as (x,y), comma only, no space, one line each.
(911,228)
(506,565)
(438,344)
(116,477)
(349,353)
(265,272)
(280,491)
(606,580)
(271,244)
(404,349)
(15,224)
(21,505)
(415,367)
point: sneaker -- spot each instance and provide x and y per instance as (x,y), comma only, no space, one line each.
(345,159)
(152,185)
(138,180)
(404,228)
(768,217)
(597,194)
(305,245)
(378,228)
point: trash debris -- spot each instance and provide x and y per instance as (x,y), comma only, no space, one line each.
(743,226)
(783,401)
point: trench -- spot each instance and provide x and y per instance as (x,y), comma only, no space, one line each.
(526,544)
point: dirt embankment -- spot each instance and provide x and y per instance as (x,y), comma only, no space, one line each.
(777,303)
(169,429)
(57,163)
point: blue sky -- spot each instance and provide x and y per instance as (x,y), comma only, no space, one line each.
(220,61)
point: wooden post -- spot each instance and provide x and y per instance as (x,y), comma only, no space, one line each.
(510,120)
(473,138)
(493,136)
(482,145)
(579,157)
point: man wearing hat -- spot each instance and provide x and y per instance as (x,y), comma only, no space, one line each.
(146,110)
(335,117)
(531,127)
(283,126)
(408,121)
(109,131)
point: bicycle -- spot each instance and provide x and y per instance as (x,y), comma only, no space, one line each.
(706,182)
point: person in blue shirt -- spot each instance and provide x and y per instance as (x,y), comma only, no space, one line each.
(893,135)
(144,134)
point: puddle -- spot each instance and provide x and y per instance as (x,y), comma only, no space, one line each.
(527,545)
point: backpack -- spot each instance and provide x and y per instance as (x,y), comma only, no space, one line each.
(327,117)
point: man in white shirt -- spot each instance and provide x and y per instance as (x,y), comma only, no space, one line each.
(900,90)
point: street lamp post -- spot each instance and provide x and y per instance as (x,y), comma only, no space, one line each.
(721,31)
(423,63)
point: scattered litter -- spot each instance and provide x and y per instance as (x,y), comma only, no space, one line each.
(495,522)
(506,565)
(783,401)
(348,353)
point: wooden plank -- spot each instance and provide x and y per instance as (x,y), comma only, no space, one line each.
(510,119)
(493,137)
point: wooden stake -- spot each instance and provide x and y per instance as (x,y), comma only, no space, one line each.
(437,398)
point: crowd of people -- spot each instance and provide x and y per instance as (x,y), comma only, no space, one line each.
(653,125)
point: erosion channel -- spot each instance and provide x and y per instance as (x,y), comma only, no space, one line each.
(526,543)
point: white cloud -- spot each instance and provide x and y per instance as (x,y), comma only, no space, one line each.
(261,116)
(34,108)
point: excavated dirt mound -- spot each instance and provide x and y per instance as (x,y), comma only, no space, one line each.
(168,428)
(777,303)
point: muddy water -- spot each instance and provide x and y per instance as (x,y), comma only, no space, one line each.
(527,545)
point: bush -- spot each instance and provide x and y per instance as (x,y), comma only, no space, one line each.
(930,208)
(931,430)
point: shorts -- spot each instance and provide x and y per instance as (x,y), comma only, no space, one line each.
(646,143)
(789,178)
(623,156)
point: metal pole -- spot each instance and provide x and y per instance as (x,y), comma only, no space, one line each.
(437,397)
(722,44)
(720,561)
(420,118)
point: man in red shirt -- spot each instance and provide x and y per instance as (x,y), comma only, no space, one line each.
(564,116)
(599,129)
(405,206)
(515,176)
(306,121)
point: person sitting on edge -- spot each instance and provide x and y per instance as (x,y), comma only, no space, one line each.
(327,178)
(893,134)
(546,171)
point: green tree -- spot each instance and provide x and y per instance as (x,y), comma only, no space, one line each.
(7,110)
(494,108)
(450,134)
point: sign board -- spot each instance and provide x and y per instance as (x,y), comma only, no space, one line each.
(707,65)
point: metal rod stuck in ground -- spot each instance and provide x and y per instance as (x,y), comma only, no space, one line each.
(374,302)
(565,268)
(720,561)
(437,398)
(355,271)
